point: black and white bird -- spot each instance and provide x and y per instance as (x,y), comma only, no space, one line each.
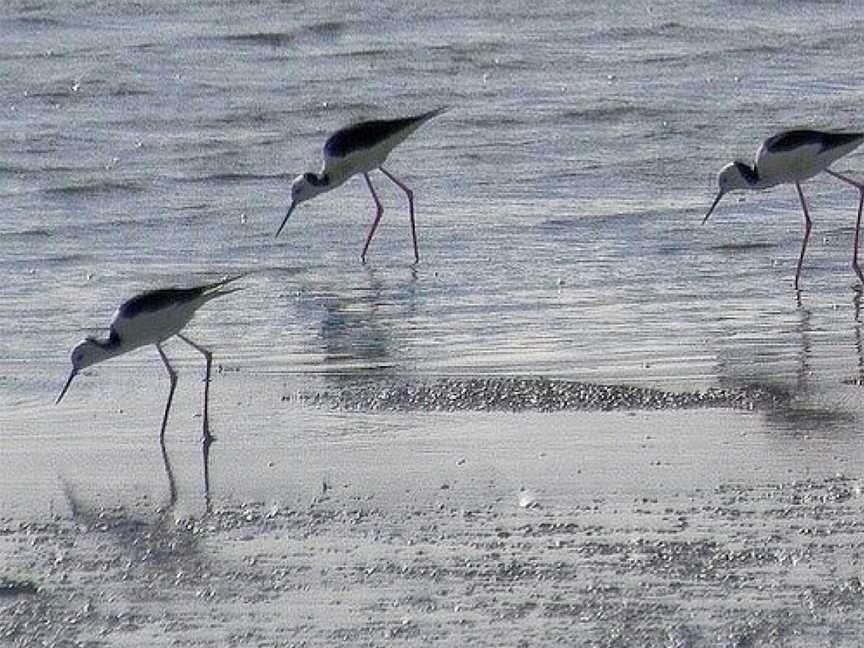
(151,318)
(359,149)
(791,157)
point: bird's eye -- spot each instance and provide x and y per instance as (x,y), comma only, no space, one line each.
(309,177)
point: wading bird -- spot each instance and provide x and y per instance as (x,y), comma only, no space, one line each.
(791,157)
(151,318)
(355,149)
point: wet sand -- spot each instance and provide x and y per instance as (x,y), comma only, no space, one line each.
(681,527)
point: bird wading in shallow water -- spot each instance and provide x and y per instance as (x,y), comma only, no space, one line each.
(359,149)
(151,318)
(791,157)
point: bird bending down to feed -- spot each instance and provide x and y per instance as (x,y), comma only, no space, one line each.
(360,148)
(151,318)
(791,157)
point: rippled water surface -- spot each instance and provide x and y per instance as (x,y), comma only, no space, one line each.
(559,200)
(387,451)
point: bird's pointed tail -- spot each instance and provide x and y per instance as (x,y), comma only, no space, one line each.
(434,113)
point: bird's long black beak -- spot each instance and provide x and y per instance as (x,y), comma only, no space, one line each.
(285,220)
(66,386)
(713,205)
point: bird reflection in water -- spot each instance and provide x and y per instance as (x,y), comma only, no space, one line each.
(859,343)
(362,329)
(206,442)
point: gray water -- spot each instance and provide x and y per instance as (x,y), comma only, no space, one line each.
(559,207)
(559,200)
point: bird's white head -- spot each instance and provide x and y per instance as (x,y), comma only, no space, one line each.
(735,175)
(304,187)
(86,353)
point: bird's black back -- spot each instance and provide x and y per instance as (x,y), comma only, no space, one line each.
(366,134)
(793,139)
(154,300)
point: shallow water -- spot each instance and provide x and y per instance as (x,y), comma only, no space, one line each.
(559,206)
(558,201)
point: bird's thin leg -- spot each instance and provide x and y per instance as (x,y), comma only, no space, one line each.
(807,227)
(840,176)
(173,377)
(860,187)
(379,210)
(410,195)
(208,356)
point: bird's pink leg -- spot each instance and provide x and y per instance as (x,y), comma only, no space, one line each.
(173,376)
(208,357)
(379,210)
(410,195)
(860,187)
(807,227)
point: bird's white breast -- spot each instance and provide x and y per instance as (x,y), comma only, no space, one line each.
(360,161)
(151,327)
(798,164)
